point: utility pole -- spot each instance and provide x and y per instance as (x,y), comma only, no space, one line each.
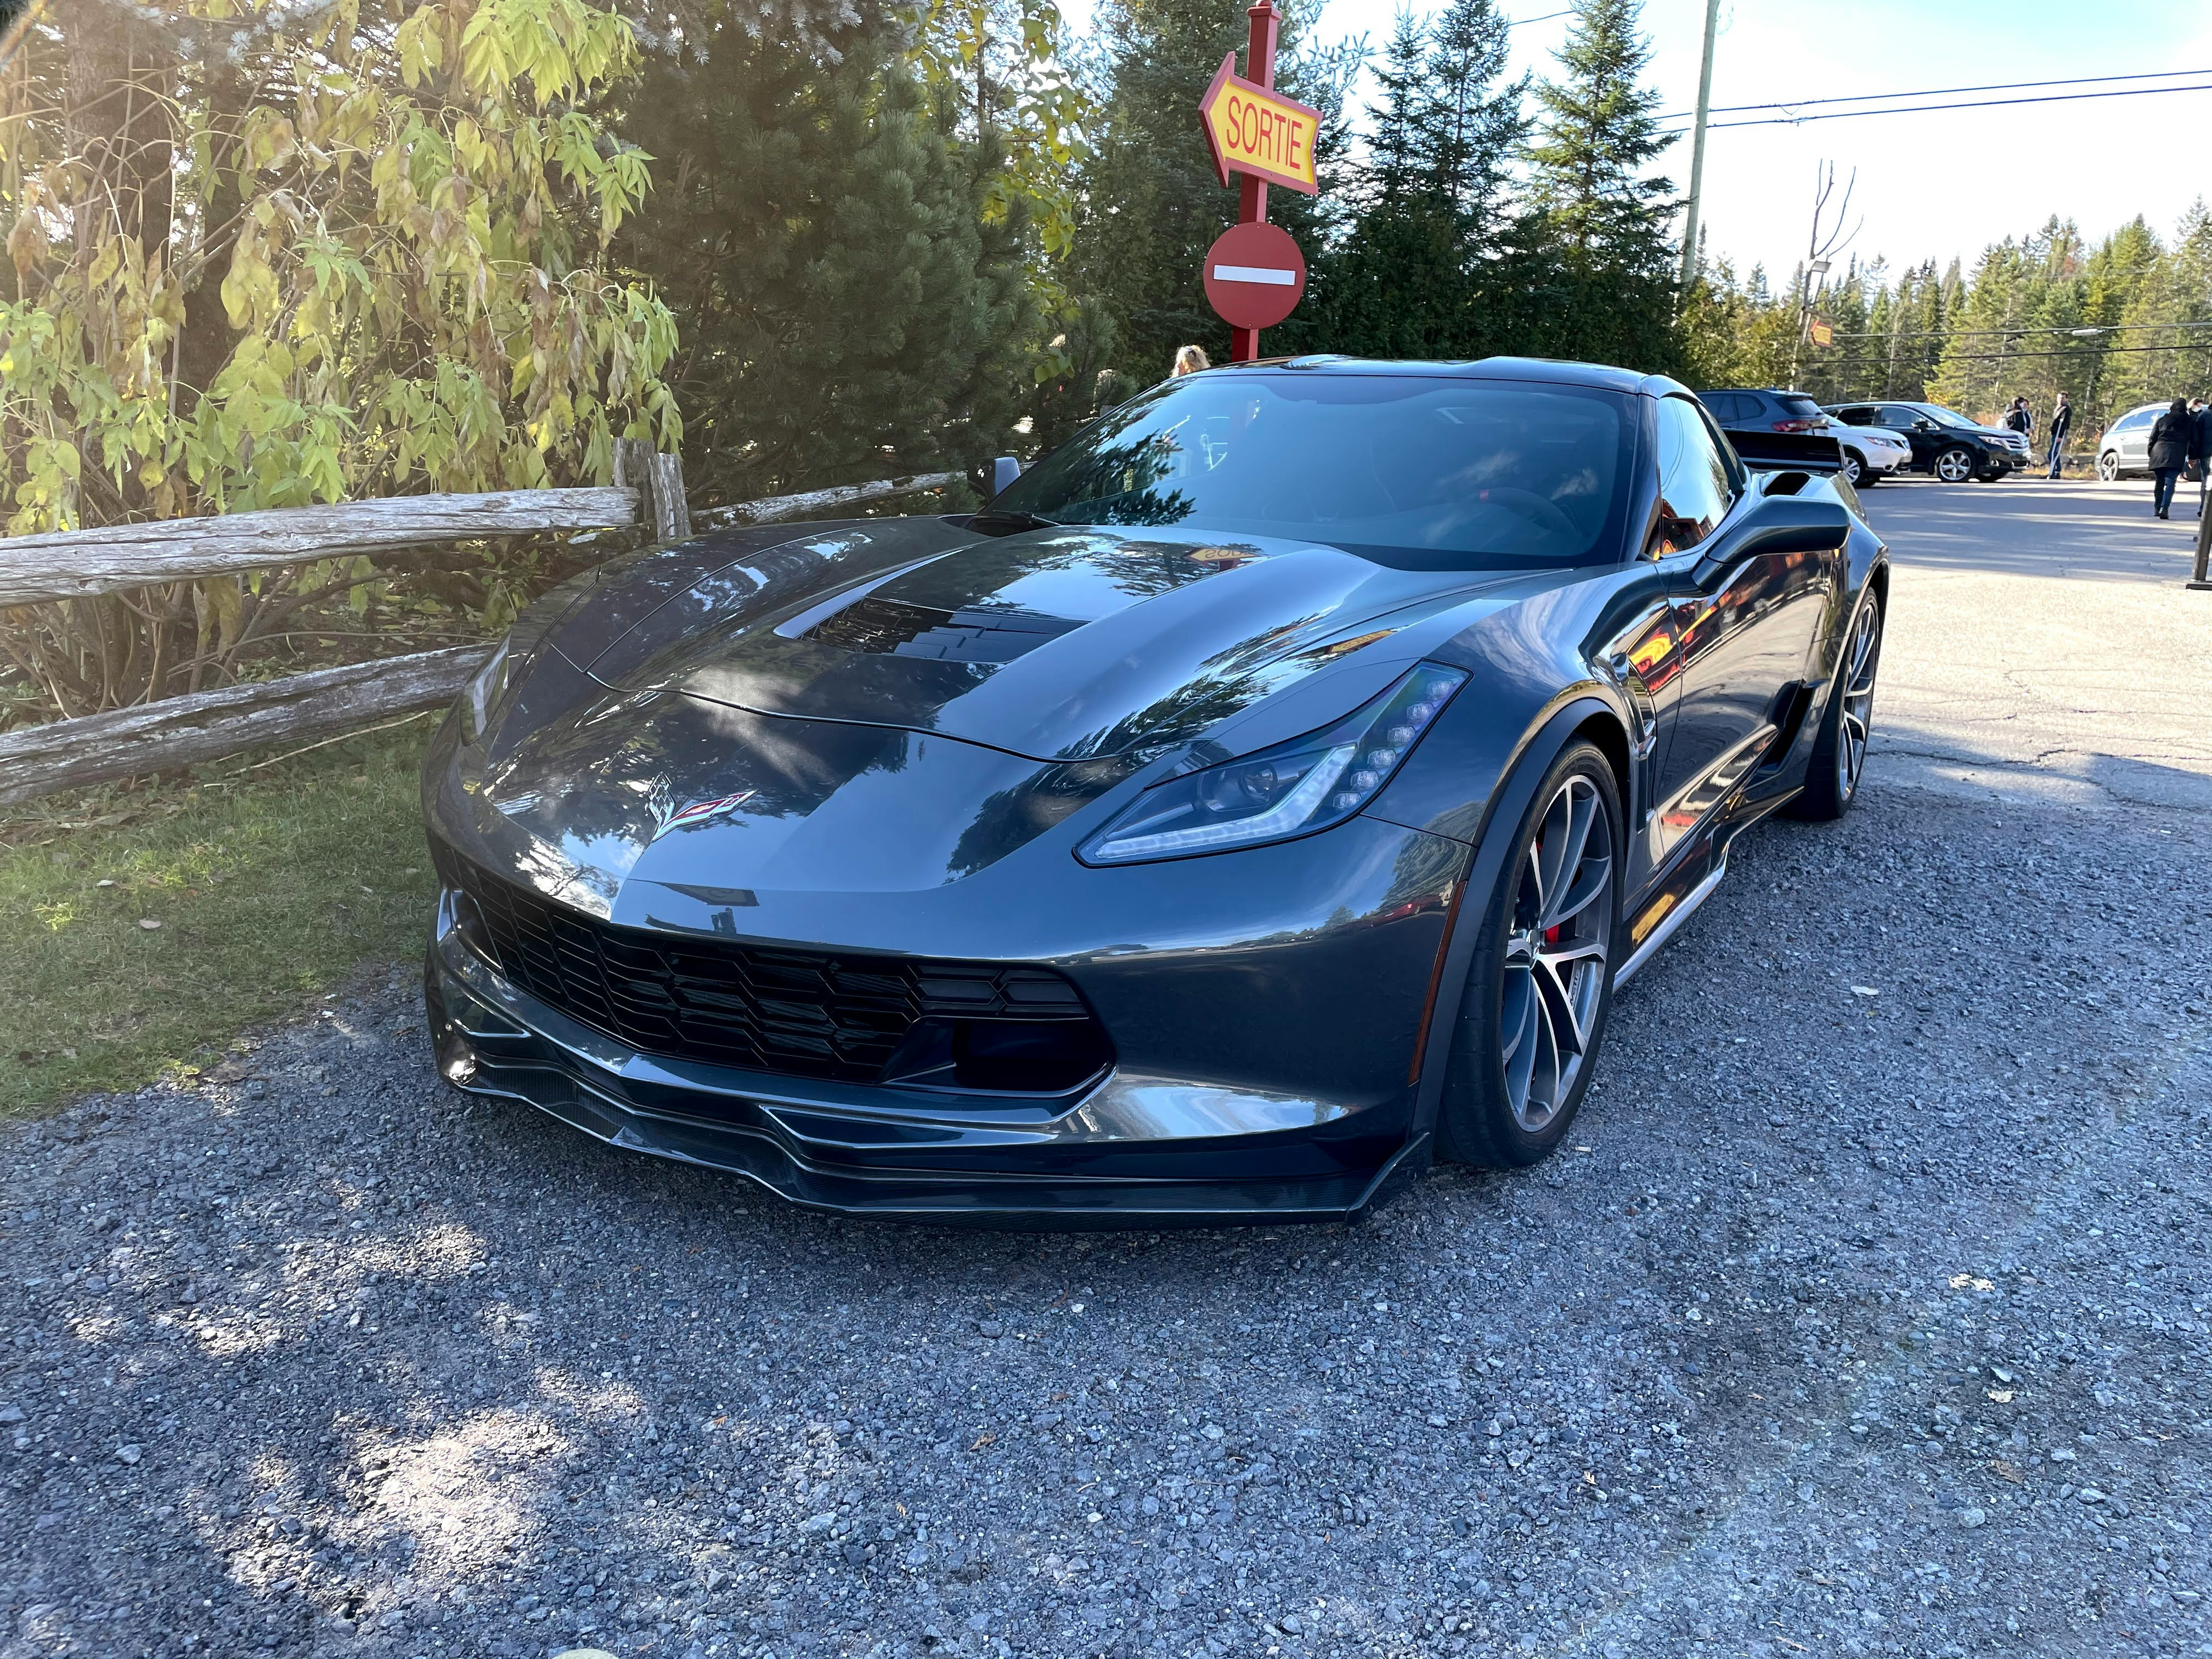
(1698,147)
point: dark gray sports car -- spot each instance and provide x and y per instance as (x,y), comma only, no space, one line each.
(1265,795)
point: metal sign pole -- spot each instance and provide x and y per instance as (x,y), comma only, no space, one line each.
(1252,193)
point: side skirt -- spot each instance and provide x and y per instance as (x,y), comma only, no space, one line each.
(1674,916)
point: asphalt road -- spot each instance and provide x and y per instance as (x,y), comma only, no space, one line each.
(1868,1314)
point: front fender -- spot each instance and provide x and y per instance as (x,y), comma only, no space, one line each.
(1504,805)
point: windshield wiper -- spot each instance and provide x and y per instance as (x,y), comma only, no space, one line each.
(991,519)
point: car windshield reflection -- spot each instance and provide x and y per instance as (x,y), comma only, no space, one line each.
(1430,474)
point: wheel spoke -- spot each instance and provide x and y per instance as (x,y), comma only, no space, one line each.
(1590,882)
(1545,1074)
(1521,1016)
(1555,982)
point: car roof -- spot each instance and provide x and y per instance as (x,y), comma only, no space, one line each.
(1757,391)
(1546,370)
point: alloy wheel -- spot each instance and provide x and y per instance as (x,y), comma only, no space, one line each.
(1555,947)
(1954,466)
(2108,467)
(1862,656)
(1852,469)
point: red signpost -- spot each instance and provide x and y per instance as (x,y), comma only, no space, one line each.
(1254,280)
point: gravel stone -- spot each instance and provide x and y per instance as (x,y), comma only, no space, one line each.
(419,1377)
(448,1377)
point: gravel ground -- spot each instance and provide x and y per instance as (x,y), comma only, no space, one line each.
(1852,1323)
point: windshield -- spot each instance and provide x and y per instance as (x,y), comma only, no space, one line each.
(1948,416)
(1420,474)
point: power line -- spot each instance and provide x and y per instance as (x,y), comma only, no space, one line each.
(1516,22)
(1973,357)
(2085,331)
(1982,103)
(1938,92)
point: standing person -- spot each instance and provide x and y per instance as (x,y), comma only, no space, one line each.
(2061,422)
(1188,359)
(2017,418)
(2201,454)
(2170,439)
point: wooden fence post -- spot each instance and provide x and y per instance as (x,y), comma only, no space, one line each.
(658,481)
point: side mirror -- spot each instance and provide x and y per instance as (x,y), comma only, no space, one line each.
(1775,525)
(1924,424)
(1003,471)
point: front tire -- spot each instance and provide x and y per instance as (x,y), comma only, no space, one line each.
(2108,467)
(1856,472)
(1838,761)
(1955,465)
(1540,987)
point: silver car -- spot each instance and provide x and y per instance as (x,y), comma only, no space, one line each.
(2125,446)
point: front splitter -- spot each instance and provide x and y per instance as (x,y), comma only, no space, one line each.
(482,1050)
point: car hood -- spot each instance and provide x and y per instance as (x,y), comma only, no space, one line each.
(739,741)
(1055,645)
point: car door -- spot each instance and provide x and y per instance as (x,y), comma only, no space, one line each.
(1743,635)
(2134,438)
(1916,430)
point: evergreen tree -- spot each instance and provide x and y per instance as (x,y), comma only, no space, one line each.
(848,308)
(2169,360)
(1423,270)
(1152,204)
(1605,216)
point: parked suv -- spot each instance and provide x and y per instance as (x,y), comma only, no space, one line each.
(1869,458)
(2125,446)
(1944,441)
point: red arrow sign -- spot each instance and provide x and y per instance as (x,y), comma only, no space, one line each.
(1254,276)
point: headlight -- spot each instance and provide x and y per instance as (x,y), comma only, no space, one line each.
(1292,789)
(481,696)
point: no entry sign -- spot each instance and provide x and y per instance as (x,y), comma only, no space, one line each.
(1254,276)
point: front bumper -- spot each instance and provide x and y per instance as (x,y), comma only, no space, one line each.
(1128,1150)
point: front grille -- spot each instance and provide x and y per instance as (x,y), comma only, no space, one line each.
(839,1015)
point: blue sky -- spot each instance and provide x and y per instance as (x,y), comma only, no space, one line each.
(1928,184)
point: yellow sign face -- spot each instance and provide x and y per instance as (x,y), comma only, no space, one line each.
(1252,130)
(1823,333)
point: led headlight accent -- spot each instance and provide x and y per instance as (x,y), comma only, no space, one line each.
(1292,789)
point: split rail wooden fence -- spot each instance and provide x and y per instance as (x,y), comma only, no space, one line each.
(647,497)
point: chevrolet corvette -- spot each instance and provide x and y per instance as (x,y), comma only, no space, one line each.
(1264,796)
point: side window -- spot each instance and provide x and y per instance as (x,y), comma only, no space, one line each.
(1897,415)
(1697,485)
(1857,415)
(1723,403)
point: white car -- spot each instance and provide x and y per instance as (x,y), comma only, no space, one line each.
(1870,452)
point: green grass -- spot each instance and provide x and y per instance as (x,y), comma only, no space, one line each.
(273,886)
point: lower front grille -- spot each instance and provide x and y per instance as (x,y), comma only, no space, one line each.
(849,1016)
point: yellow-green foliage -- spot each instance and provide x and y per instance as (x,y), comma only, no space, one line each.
(404,209)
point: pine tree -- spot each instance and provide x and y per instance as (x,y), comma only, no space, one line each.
(1606,216)
(848,308)
(1423,271)
(1152,204)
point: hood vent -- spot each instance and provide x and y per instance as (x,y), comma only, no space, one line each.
(881,627)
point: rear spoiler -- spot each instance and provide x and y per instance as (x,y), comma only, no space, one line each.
(1803,451)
